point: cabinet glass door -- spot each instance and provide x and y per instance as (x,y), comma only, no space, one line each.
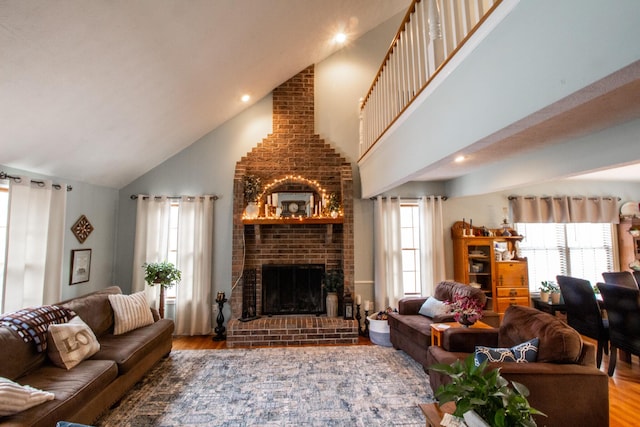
(479,257)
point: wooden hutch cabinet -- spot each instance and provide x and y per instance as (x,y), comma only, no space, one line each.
(477,262)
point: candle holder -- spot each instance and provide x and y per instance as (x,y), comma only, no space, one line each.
(358,317)
(220,330)
(366,323)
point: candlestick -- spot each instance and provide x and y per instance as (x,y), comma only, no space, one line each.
(358,317)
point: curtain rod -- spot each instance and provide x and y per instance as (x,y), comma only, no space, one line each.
(560,197)
(408,198)
(4,175)
(135,196)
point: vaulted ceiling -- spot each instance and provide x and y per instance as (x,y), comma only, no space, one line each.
(102,91)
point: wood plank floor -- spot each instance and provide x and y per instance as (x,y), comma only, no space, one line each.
(624,386)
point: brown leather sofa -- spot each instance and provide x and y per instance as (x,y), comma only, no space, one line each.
(87,390)
(411,332)
(564,382)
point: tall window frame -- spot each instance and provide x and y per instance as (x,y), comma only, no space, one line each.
(583,250)
(411,250)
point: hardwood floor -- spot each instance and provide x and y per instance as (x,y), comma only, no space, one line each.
(624,386)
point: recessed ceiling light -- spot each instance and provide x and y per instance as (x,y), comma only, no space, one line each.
(245,98)
(459,159)
(340,38)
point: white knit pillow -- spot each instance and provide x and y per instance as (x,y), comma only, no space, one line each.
(16,398)
(70,343)
(130,312)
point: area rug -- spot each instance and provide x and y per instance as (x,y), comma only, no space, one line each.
(301,386)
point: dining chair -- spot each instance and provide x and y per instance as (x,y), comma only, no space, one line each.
(623,310)
(622,278)
(583,312)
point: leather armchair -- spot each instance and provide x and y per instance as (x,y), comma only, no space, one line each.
(565,365)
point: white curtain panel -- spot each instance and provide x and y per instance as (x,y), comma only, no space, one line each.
(35,242)
(151,241)
(432,264)
(388,253)
(195,243)
(564,209)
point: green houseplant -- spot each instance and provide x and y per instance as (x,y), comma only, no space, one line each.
(252,188)
(486,392)
(164,274)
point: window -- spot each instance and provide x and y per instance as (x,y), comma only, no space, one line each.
(172,255)
(410,241)
(4,214)
(576,249)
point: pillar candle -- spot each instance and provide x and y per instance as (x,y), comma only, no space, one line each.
(358,300)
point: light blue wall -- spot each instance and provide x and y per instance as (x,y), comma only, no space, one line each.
(100,206)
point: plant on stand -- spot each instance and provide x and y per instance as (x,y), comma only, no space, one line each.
(164,274)
(252,189)
(333,281)
(485,392)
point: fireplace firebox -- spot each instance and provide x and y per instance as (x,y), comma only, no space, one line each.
(292,289)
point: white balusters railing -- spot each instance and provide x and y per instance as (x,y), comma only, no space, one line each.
(430,34)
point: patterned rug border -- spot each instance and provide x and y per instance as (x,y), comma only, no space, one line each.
(277,386)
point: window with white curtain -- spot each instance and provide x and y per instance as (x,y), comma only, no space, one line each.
(410,240)
(172,252)
(4,214)
(583,250)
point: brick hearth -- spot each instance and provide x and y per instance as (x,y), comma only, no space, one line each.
(291,330)
(297,160)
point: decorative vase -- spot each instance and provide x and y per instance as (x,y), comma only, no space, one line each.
(555,298)
(465,321)
(332,304)
(544,296)
(251,211)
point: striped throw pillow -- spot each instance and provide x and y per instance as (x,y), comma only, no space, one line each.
(130,312)
(16,398)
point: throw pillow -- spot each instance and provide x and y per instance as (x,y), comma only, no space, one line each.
(433,307)
(16,398)
(130,312)
(521,353)
(71,343)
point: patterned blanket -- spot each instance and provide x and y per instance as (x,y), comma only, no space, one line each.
(32,323)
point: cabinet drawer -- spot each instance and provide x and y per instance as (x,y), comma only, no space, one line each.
(503,303)
(512,292)
(512,274)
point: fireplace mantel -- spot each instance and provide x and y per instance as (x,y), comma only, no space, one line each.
(327,221)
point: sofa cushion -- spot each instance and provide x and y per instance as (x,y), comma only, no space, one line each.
(521,353)
(559,342)
(128,349)
(95,309)
(130,312)
(433,307)
(16,398)
(70,343)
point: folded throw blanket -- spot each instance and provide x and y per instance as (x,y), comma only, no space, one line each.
(32,323)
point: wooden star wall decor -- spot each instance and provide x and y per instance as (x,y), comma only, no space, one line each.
(82,228)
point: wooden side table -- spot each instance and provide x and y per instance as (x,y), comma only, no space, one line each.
(434,412)
(438,328)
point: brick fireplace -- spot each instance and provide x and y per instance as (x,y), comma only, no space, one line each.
(291,160)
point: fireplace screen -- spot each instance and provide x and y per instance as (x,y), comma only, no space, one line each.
(292,289)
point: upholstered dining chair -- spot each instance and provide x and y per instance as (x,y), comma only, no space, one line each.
(583,313)
(623,310)
(622,278)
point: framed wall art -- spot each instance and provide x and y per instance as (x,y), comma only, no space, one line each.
(80,266)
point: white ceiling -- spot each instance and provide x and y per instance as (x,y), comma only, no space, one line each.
(101,91)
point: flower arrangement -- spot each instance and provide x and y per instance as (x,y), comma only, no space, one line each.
(333,280)
(465,309)
(252,187)
(333,203)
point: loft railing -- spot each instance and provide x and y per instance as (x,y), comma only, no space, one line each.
(431,33)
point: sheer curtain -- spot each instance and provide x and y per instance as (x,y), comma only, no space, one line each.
(432,265)
(35,244)
(195,243)
(388,253)
(194,256)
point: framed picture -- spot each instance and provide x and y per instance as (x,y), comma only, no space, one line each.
(80,266)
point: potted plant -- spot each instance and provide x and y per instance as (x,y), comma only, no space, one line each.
(333,205)
(164,274)
(485,392)
(545,290)
(252,189)
(332,282)
(466,310)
